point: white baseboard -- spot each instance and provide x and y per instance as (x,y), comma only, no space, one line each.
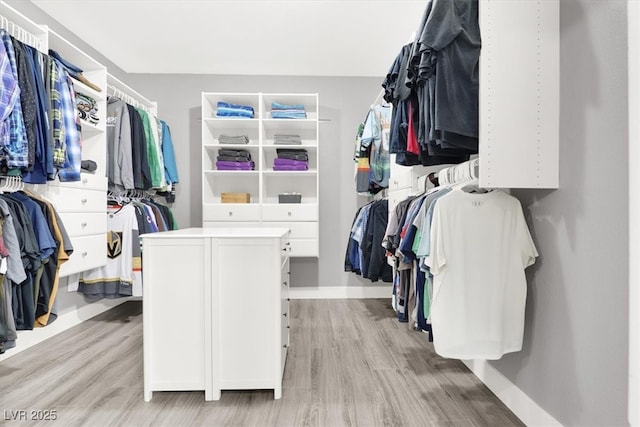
(64,321)
(516,400)
(340,292)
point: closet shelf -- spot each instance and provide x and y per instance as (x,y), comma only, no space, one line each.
(293,124)
(89,129)
(264,184)
(226,173)
(222,146)
(78,86)
(276,146)
(271,172)
(231,123)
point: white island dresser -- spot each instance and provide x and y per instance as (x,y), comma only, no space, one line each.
(215,309)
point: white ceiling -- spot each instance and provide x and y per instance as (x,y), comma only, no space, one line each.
(266,37)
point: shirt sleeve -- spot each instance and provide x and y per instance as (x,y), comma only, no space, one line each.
(437,258)
(125,161)
(443,25)
(528,249)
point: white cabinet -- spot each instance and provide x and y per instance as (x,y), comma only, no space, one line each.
(263,184)
(519,94)
(229,324)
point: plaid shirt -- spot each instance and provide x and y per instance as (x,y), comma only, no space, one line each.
(14,139)
(71,121)
(56,74)
(9,89)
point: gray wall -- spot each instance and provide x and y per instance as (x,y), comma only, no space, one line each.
(344,101)
(574,361)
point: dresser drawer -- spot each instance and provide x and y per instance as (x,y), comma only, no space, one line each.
(229,224)
(304,248)
(284,331)
(68,199)
(88,252)
(299,230)
(290,212)
(231,212)
(84,224)
(87,182)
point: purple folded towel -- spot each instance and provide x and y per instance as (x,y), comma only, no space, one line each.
(223,163)
(290,162)
(290,167)
(231,168)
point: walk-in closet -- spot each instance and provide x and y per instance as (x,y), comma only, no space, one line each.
(319,213)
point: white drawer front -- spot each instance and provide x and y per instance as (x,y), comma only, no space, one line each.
(299,230)
(229,224)
(87,182)
(304,248)
(84,224)
(231,212)
(68,199)
(88,252)
(290,212)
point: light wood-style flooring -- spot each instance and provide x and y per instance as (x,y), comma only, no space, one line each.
(351,363)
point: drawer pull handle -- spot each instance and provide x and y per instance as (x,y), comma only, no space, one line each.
(230,213)
(83,201)
(284,346)
(289,213)
(83,224)
(288,299)
(85,253)
(85,180)
(288,327)
(284,314)
(284,283)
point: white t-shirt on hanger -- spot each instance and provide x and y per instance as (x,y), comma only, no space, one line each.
(480,246)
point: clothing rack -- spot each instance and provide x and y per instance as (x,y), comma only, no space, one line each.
(9,184)
(468,171)
(120,90)
(19,33)
(127,195)
(463,172)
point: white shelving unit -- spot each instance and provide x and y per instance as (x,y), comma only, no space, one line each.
(519,99)
(81,203)
(263,184)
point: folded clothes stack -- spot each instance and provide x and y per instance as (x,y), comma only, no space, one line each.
(287,111)
(282,139)
(227,109)
(87,108)
(234,160)
(291,159)
(233,139)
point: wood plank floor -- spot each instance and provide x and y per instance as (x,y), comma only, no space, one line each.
(351,363)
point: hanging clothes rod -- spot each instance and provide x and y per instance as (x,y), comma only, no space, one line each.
(463,172)
(20,33)
(119,89)
(112,90)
